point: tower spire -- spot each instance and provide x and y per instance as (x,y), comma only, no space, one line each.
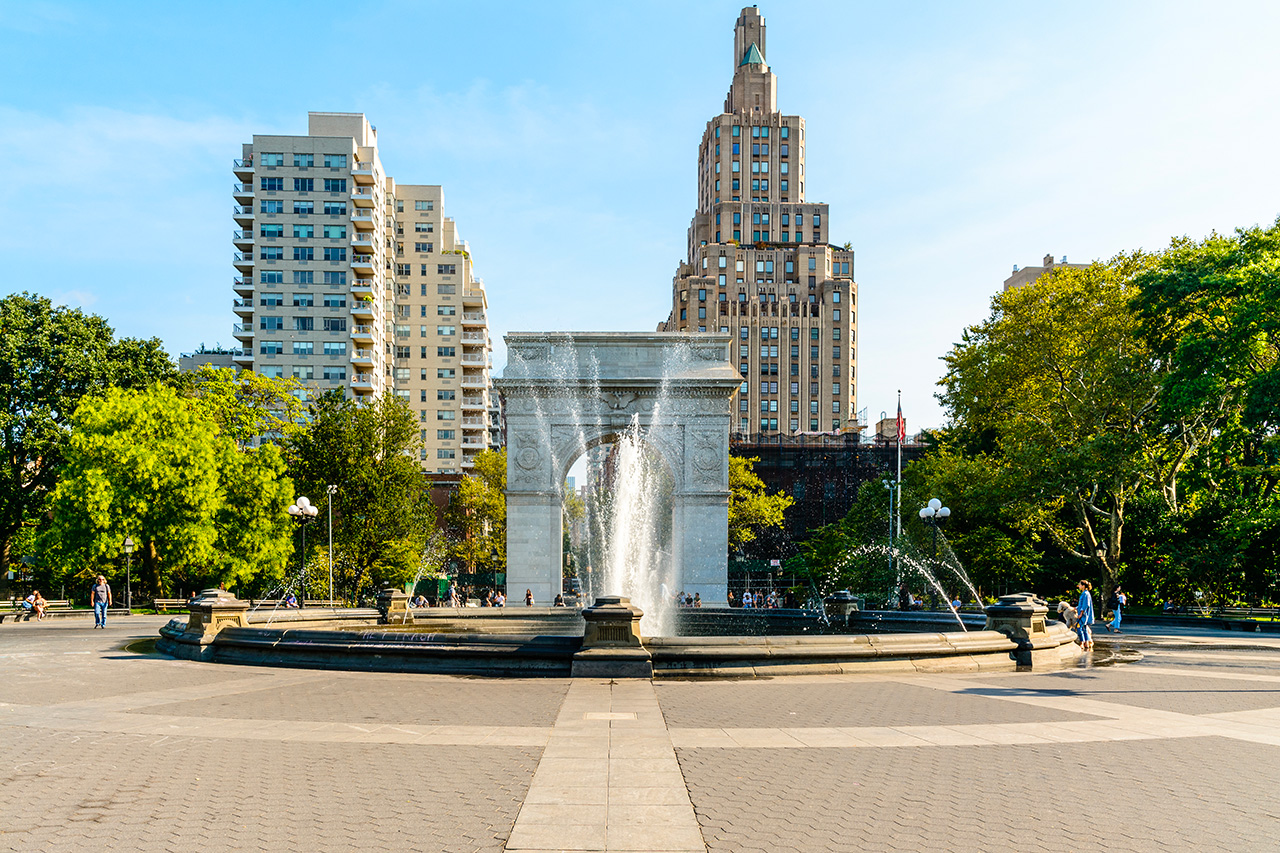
(754,90)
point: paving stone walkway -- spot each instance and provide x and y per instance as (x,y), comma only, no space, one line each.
(104,748)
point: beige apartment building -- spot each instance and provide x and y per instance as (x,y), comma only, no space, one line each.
(349,280)
(1026,275)
(760,266)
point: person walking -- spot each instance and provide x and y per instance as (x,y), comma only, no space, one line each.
(1084,615)
(1116,603)
(528,598)
(100,598)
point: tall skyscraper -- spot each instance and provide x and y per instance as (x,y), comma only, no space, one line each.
(348,280)
(759,265)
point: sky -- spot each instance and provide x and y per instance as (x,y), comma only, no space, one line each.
(951,140)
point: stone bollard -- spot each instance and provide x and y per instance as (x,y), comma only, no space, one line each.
(393,605)
(611,643)
(208,613)
(1022,617)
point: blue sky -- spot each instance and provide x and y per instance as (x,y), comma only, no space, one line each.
(951,141)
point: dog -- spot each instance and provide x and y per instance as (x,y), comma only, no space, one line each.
(1068,614)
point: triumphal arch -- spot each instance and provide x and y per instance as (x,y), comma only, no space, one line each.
(567,392)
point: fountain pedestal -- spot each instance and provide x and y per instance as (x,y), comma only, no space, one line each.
(1023,618)
(393,605)
(611,643)
(208,613)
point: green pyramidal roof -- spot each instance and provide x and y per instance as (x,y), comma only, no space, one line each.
(752,56)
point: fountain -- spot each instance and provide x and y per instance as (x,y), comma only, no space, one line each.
(663,401)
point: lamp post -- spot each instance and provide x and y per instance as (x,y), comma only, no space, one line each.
(933,514)
(494,556)
(330,491)
(304,513)
(128,574)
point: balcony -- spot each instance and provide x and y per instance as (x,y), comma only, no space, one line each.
(243,239)
(243,168)
(362,196)
(242,307)
(242,357)
(472,319)
(475,360)
(362,334)
(362,171)
(243,193)
(363,309)
(243,261)
(473,423)
(471,403)
(475,338)
(362,383)
(242,285)
(362,241)
(242,331)
(473,297)
(364,288)
(475,380)
(362,357)
(477,443)
(363,264)
(362,218)
(243,214)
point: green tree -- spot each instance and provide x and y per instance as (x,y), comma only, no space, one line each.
(148,465)
(478,513)
(382,510)
(751,508)
(50,358)
(246,405)
(1059,390)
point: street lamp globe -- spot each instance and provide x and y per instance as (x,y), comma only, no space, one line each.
(926,512)
(944,512)
(128,545)
(935,504)
(293,509)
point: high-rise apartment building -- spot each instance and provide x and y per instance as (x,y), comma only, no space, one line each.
(1026,275)
(349,280)
(760,266)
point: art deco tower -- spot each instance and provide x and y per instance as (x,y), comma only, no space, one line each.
(760,266)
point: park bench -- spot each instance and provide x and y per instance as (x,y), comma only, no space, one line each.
(56,609)
(1249,613)
(164,605)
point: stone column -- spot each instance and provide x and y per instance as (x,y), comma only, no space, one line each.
(1022,617)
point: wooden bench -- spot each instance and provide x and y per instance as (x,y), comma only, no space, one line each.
(64,608)
(1269,613)
(163,605)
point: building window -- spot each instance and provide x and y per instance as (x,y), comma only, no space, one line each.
(272,206)
(444,352)
(271,299)
(335,208)
(335,347)
(271,348)
(335,232)
(424,205)
(446,331)
(335,253)
(446,395)
(335,300)
(335,324)
(445,435)
(270,159)
(271,185)
(303,277)
(424,247)
(335,161)
(303,324)
(271,324)
(304,208)
(335,277)
(335,185)
(303,300)
(271,277)
(272,253)
(304,253)
(446,269)
(304,161)
(444,415)
(444,453)
(304,185)
(304,371)
(304,348)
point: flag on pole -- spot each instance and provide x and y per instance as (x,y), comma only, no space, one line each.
(902,425)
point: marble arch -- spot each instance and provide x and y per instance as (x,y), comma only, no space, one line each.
(565,392)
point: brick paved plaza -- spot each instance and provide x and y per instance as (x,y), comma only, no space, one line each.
(103,748)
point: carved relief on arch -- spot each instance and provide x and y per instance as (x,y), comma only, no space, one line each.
(528,465)
(708,459)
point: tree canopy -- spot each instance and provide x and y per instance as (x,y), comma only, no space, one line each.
(52,357)
(751,508)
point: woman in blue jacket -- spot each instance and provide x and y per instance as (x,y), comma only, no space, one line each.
(1084,616)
